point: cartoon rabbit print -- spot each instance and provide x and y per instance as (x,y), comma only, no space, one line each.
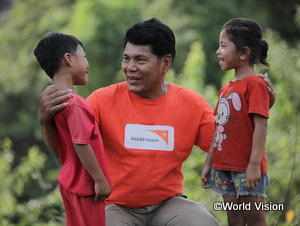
(223,115)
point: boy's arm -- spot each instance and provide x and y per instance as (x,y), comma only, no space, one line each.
(49,104)
(88,160)
(49,134)
(253,173)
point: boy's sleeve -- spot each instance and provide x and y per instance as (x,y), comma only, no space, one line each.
(80,124)
(258,98)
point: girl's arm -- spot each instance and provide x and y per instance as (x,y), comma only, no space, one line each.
(253,173)
(87,157)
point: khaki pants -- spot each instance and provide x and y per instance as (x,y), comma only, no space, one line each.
(176,211)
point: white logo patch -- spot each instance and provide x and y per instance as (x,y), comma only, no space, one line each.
(149,137)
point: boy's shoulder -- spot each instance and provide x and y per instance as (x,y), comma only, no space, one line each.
(77,101)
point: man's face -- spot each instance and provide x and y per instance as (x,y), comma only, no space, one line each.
(143,70)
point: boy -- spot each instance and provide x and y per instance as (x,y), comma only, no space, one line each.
(83,175)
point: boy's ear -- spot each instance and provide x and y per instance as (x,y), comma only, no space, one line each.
(67,59)
(245,53)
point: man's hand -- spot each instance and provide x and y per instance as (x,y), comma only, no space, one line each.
(50,102)
(272,93)
(205,175)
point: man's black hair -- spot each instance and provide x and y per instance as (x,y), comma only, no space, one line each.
(154,33)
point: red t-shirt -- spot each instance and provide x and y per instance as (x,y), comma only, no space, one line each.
(76,125)
(146,141)
(238,101)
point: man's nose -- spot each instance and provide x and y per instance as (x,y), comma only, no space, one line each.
(131,65)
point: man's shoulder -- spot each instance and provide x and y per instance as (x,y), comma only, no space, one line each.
(187,94)
(111,89)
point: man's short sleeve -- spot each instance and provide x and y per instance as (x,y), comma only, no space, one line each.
(206,127)
(93,101)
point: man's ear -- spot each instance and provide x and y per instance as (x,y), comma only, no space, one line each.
(167,63)
(67,59)
(246,51)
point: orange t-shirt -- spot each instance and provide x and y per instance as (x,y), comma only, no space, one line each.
(146,141)
(238,101)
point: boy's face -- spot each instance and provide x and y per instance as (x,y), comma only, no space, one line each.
(80,68)
(143,70)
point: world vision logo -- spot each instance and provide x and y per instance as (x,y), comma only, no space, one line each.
(164,134)
(149,137)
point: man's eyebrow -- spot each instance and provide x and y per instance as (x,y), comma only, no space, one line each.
(136,56)
(141,55)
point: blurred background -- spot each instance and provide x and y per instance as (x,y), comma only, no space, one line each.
(28,187)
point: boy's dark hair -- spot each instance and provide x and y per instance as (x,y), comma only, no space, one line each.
(154,33)
(244,32)
(51,49)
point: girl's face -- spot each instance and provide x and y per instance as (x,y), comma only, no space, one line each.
(228,55)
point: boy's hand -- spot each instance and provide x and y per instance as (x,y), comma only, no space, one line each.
(102,190)
(50,102)
(252,175)
(205,175)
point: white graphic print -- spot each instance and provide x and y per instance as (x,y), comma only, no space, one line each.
(223,115)
(148,137)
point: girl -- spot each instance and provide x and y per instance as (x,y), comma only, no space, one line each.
(236,164)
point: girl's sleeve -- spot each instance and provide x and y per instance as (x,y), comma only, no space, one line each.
(258,98)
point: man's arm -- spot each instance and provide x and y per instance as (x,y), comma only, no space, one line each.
(207,166)
(87,157)
(49,104)
(253,173)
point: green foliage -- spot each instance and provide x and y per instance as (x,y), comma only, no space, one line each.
(20,82)
(22,190)
(283,140)
(193,76)
(101,25)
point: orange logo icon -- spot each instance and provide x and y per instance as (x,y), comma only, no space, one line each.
(164,134)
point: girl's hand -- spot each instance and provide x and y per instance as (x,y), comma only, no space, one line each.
(205,175)
(252,175)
